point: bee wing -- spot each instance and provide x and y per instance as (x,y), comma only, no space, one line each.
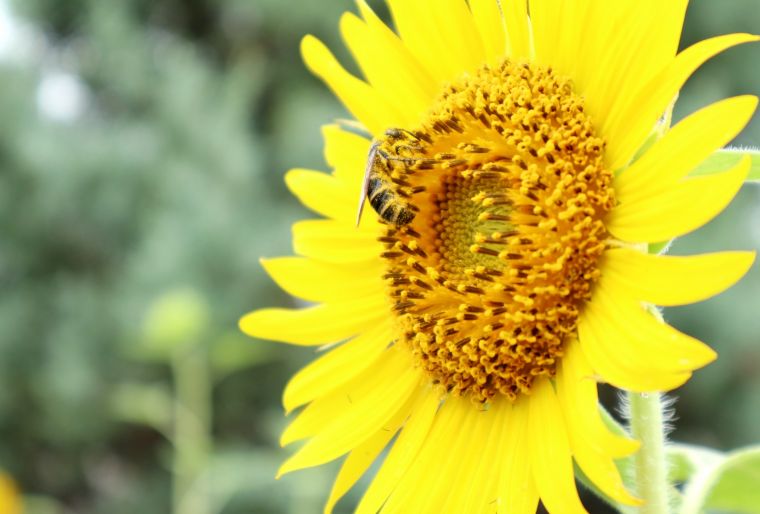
(365,182)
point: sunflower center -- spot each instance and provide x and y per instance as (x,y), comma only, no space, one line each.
(505,187)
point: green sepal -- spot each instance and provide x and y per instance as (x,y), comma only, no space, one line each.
(145,404)
(722,482)
(659,248)
(723,160)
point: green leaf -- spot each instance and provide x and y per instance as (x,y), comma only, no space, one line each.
(728,485)
(686,459)
(722,160)
(232,352)
(149,405)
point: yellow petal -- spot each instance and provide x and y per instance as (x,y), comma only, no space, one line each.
(600,48)
(613,70)
(613,369)
(546,17)
(645,340)
(476,481)
(400,52)
(361,458)
(388,66)
(683,208)
(682,148)
(421,491)
(631,349)
(323,193)
(337,366)
(402,454)
(366,408)
(322,410)
(346,153)
(628,127)
(441,34)
(590,440)
(457,28)
(577,392)
(336,242)
(518,29)
(517,489)
(491,26)
(312,326)
(550,450)
(668,280)
(364,102)
(601,470)
(317,281)
(571,36)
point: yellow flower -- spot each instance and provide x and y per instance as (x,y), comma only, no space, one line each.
(506,273)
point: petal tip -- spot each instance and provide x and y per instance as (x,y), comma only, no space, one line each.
(708,355)
(364,8)
(749,259)
(288,404)
(742,262)
(752,100)
(313,52)
(348,21)
(285,468)
(626,446)
(631,500)
(286,438)
(743,106)
(244,323)
(291,180)
(251,323)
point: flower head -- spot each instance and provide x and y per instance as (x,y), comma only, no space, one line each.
(504,271)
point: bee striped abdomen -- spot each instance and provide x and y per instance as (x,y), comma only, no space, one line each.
(385,183)
(387,203)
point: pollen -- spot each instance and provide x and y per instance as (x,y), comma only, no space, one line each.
(507,180)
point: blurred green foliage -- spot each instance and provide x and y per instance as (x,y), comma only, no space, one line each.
(165,178)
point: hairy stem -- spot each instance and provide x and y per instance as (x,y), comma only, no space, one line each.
(647,425)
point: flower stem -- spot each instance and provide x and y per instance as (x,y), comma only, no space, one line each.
(192,432)
(647,425)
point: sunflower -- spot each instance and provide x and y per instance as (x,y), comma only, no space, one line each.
(521,163)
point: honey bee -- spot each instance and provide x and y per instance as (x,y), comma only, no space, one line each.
(378,187)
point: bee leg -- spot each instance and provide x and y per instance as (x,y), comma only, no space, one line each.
(386,158)
(410,148)
(405,160)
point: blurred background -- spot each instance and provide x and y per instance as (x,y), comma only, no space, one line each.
(142,150)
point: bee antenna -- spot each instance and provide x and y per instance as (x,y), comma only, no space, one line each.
(396,132)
